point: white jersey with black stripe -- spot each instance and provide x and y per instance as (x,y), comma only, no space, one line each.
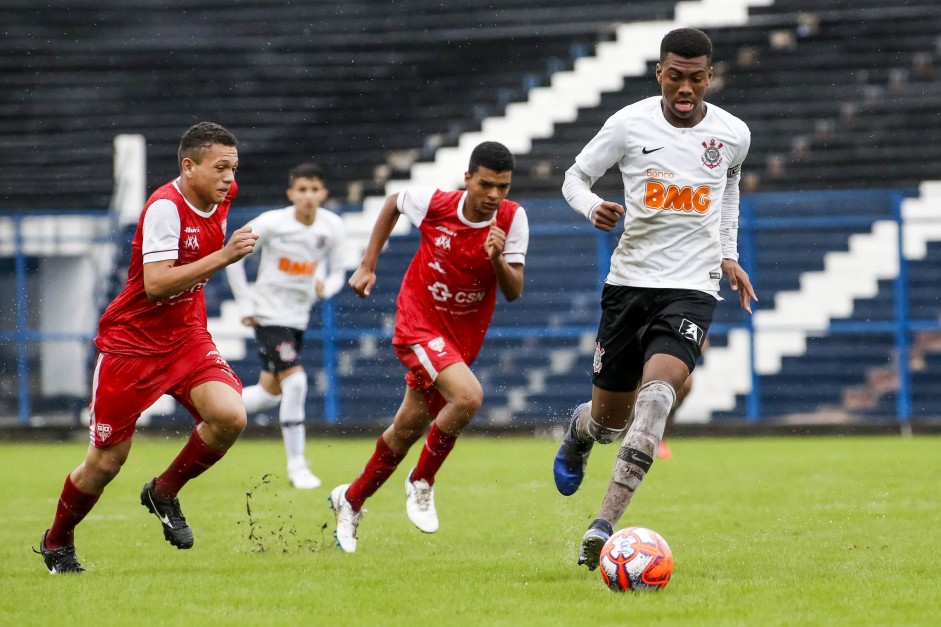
(294,256)
(679,185)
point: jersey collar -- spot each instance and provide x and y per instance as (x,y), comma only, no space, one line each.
(199,212)
(463,218)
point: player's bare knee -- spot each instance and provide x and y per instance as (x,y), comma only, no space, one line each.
(101,469)
(469,400)
(228,422)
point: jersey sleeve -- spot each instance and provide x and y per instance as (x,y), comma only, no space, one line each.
(604,149)
(517,238)
(729,209)
(335,280)
(413,202)
(161,232)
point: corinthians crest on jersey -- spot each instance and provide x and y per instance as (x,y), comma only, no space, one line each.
(711,157)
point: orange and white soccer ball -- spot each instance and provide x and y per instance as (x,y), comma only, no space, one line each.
(636,558)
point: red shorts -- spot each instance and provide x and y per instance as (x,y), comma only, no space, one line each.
(424,361)
(123,387)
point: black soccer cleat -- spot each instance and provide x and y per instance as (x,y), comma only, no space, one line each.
(593,541)
(175,529)
(59,560)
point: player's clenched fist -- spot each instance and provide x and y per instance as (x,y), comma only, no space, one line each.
(605,215)
(362,281)
(496,240)
(241,243)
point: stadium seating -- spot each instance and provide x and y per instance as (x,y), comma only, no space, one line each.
(836,99)
(834,96)
(364,87)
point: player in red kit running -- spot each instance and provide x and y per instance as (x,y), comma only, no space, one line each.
(472,242)
(152,340)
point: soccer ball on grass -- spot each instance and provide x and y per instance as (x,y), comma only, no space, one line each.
(636,558)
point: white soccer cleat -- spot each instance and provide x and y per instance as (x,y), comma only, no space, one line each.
(301,477)
(420,504)
(347,519)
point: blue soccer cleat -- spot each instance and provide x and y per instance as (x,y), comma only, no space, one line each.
(569,466)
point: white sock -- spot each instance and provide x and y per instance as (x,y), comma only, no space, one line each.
(654,402)
(292,415)
(257,399)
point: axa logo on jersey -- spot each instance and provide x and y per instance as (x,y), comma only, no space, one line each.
(678,198)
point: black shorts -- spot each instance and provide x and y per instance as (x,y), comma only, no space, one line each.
(639,322)
(278,347)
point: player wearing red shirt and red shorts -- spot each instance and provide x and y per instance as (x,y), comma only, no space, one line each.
(152,340)
(472,242)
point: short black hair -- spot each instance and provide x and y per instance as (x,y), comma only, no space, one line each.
(492,155)
(688,43)
(200,138)
(307,171)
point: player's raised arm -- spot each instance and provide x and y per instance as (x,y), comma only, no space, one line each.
(364,277)
(509,275)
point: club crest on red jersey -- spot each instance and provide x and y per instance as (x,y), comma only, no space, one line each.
(711,157)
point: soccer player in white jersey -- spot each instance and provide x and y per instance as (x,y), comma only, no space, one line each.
(680,159)
(297,243)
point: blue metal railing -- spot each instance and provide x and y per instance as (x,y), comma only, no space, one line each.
(752,224)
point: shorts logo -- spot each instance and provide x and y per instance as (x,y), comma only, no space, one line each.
(596,362)
(286,352)
(103,431)
(692,331)
(437,345)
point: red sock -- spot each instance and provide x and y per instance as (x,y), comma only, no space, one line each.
(437,447)
(378,469)
(195,459)
(73,506)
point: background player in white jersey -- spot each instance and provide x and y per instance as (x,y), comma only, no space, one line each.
(301,263)
(680,160)
(472,243)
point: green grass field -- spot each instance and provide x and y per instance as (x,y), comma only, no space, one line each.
(765,531)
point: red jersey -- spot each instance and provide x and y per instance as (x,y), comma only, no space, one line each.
(169,228)
(450,286)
